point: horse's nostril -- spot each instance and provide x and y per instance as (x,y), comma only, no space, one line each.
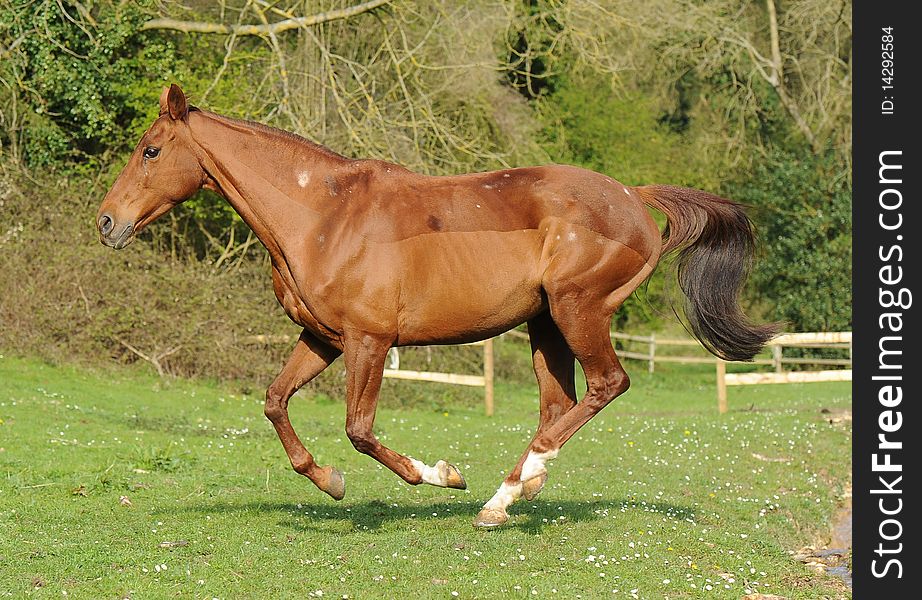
(105,224)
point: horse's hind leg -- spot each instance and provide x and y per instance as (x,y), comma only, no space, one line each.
(605,379)
(307,360)
(582,312)
(585,323)
(554,368)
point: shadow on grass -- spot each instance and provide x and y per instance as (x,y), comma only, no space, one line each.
(528,517)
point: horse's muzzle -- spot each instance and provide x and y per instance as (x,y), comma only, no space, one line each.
(113,234)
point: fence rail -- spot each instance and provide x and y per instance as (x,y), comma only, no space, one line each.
(778,362)
(838,339)
(393,371)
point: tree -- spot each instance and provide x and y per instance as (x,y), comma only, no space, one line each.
(746,75)
(803,275)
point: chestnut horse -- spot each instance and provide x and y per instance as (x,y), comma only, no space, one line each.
(367,255)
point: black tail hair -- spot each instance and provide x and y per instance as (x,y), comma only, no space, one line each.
(715,245)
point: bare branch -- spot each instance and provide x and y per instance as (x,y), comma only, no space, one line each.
(777,78)
(777,65)
(155,359)
(264,28)
(229,49)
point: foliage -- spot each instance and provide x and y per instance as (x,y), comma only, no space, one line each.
(588,123)
(740,76)
(82,84)
(665,92)
(804,218)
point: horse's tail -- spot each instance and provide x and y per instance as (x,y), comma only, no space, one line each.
(715,244)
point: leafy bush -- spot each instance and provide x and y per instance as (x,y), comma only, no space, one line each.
(621,134)
(803,218)
(84,85)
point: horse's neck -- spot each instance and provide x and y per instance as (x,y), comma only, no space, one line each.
(267,176)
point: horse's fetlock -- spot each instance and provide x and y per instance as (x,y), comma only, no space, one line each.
(301,467)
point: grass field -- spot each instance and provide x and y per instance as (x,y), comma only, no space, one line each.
(119,484)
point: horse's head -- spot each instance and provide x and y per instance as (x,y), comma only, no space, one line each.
(163,171)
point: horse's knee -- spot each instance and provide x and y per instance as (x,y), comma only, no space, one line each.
(275,406)
(362,438)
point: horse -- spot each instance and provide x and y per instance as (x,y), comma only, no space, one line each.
(367,255)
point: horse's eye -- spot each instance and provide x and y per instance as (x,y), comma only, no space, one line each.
(151,152)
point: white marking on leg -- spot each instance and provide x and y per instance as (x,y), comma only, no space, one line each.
(535,463)
(304,178)
(431,475)
(428,474)
(504,496)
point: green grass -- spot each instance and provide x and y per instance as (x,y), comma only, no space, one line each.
(659,496)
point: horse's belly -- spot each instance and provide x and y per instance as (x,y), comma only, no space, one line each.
(464,286)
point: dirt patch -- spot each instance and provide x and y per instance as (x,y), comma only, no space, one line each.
(835,557)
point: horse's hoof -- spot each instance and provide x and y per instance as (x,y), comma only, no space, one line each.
(488,518)
(533,487)
(451,475)
(336,485)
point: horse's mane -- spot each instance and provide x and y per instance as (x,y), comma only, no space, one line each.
(245,125)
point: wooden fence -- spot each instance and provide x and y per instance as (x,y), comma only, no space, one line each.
(778,361)
(485,381)
(393,370)
(838,339)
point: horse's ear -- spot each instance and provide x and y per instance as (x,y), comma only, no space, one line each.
(163,100)
(175,102)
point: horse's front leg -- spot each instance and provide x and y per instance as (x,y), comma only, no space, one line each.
(309,357)
(365,355)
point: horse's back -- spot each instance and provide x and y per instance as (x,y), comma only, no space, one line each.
(408,204)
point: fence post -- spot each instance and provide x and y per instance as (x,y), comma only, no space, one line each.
(721,386)
(488,377)
(776,358)
(652,363)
